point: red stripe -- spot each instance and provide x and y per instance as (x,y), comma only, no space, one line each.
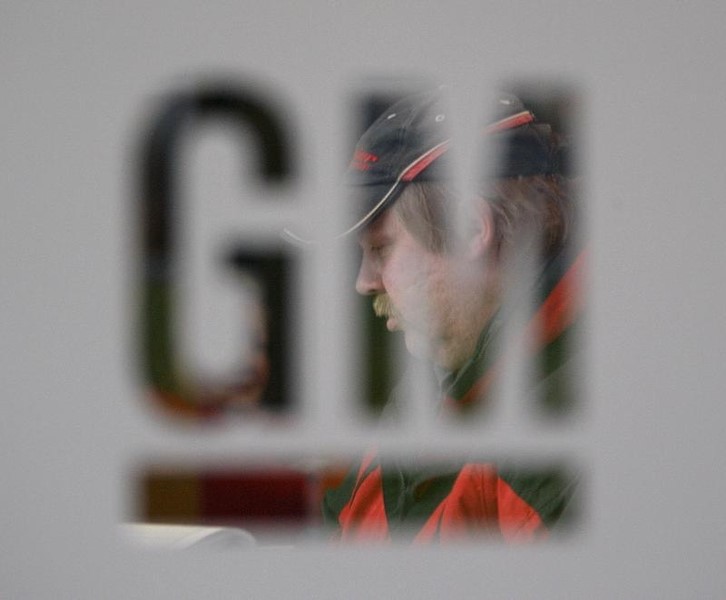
(364,517)
(518,521)
(510,122)
(423,162)
(469,509)
(556,313)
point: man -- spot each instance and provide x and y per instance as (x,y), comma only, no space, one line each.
(450,289)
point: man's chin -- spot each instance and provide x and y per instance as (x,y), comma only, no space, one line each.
(418,345)
(439,354)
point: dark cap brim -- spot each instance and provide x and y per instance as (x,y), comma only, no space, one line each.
(372,200)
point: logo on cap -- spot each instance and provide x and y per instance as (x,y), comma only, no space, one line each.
(362,160)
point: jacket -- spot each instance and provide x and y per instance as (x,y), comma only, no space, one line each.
(384,500)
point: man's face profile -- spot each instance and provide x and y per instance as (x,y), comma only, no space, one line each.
(418,291)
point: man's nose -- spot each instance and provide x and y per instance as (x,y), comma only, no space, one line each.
(368,281)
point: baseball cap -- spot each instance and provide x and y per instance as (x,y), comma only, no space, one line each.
(410,142)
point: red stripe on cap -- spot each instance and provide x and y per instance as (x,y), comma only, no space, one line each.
(521,118)
(424,161)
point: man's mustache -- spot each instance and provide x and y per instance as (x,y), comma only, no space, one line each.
(383,307)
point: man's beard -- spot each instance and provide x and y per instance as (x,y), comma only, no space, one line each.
(383,307)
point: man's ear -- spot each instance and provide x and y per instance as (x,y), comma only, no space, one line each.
(482,236)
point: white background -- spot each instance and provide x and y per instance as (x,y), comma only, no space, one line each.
(77,79)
